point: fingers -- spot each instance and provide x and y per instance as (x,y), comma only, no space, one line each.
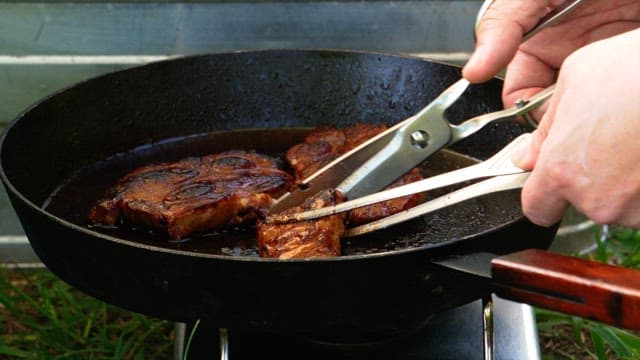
(526,76)
(542,200)
(525,154)
(542,207)
(499,34)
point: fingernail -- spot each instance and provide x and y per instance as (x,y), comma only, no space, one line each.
(520,154)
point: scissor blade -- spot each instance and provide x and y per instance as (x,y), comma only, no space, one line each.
(412,143)
(348,174)
(331,175)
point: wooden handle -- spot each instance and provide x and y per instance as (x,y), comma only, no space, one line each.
(570,285)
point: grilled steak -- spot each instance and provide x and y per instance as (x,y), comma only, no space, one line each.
(323,145)
(194,194)
(367,214)
(305,239)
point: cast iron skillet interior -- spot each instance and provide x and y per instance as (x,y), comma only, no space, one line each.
(59,155)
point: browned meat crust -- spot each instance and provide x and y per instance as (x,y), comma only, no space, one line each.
(306,239)
(323,145)
(374,212)
(194,194)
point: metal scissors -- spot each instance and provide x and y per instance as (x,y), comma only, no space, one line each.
(381,160)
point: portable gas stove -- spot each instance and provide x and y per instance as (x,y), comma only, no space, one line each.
(466,332)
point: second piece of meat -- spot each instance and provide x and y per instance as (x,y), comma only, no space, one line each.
(304,239)
(325,144)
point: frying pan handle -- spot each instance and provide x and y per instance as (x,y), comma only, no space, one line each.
(597,291)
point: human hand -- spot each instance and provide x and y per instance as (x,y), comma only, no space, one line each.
(586,149)
(533,65)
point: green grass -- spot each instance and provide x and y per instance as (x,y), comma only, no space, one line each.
(42,317)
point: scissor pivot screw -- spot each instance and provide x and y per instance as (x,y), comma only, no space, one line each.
(526,116)
(420,139)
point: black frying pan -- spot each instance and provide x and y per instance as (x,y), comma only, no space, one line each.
(383,284)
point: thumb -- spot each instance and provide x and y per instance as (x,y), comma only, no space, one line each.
(499,35)
(521,154)
(525,153)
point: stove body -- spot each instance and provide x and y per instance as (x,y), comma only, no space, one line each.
(457,333)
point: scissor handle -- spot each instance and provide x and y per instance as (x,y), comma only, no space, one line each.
(471,126)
